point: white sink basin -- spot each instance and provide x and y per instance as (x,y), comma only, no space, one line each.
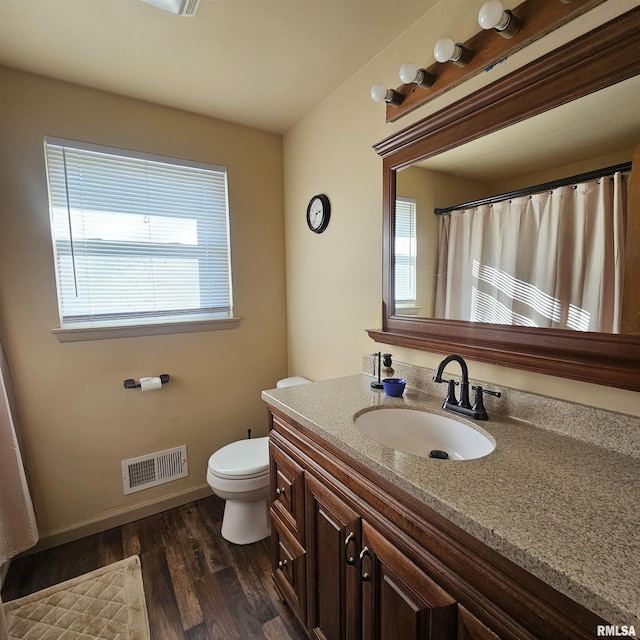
(420,433)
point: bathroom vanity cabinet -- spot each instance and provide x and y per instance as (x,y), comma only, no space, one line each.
(356,557)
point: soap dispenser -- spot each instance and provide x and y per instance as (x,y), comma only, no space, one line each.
(387,369)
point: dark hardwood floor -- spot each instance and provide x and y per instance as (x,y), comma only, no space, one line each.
(197,585)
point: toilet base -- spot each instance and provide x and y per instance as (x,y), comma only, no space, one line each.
(246,522)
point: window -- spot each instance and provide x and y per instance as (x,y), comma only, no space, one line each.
(405,252)
(138,239)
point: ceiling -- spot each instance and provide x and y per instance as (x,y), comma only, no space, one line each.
(596,125)
(261,63)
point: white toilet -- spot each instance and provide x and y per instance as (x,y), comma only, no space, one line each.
(239,474)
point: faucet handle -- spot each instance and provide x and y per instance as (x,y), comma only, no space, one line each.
(478,405)
(480,390)
(451,392)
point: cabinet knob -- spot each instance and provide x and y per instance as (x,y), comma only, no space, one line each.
(364,576)
(280,492)
(282,564)
(350,560)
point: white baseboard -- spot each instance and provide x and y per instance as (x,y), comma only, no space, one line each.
(118,518)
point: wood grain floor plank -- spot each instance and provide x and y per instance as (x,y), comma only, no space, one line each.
(143,535)
(164,617)
(244,614)
(28,574)
(285,619)
(197,585)
(217,555)
(176,529)
(251,581)
(275,629)
(220,622)
(197,527)
(110,547)
(261,562)
(183,570)
(187,529)
(186,549)
(83,556)
(198,633)
(211,511)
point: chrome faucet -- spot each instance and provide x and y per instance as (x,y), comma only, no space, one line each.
(451,403)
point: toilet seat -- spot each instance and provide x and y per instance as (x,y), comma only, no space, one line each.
(239,474)
(241,460)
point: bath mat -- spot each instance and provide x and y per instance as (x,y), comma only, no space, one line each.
(106,604)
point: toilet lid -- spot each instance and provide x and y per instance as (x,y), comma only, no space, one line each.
(242,459)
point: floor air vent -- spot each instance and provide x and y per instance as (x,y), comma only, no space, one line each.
(154,469)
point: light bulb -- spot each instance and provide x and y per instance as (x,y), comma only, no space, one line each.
(447,50)
(408,72)
(492,15)
(378,92)
(444,50)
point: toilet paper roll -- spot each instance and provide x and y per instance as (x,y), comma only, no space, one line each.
(150,384)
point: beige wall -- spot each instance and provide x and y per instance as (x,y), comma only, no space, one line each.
(78,420)
(557,173)
(334,281)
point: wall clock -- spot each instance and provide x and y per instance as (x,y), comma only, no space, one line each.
(318,213)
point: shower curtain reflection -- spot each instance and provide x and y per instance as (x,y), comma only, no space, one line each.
(553,259)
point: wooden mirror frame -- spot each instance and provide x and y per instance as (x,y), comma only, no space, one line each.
(605,56)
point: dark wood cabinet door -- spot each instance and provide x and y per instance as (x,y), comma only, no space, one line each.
(287,491)
(333,587)
(400,602)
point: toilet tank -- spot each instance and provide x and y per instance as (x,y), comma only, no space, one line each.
(291,382)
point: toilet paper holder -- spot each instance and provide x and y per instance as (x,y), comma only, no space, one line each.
(130,383)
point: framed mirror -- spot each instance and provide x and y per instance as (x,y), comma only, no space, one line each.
(602,68)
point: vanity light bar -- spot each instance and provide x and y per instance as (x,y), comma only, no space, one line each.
(518,27)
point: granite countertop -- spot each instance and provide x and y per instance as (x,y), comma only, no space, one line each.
(565,510)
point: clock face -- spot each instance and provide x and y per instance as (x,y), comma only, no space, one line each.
(318,213)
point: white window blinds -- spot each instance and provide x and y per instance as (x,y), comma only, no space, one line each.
(405,251)
(137,238)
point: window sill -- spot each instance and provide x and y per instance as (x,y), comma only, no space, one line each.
(408,309)
(135,331)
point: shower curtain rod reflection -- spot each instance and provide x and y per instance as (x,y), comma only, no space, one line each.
(583,177)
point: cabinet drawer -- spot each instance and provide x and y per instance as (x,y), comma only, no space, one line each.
(287,491)
(289,566)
